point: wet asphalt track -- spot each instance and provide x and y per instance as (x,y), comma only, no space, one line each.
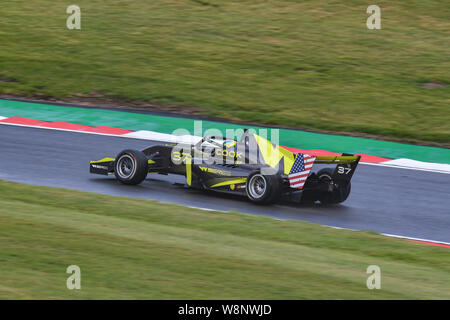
(388,200)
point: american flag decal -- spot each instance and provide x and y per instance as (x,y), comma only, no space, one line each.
(300,170)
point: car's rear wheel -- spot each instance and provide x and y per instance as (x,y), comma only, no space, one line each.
(341,190)
(263,189)
(131,167)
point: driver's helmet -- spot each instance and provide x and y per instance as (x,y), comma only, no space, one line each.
(225,144)
(229,143)
(208,144)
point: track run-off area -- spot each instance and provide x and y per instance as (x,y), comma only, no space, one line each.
(407,199)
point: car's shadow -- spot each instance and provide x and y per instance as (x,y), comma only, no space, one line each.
(179,190)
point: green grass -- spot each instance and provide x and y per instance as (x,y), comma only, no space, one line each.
(305,64)
(139,249)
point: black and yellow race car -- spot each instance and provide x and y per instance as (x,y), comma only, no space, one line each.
(252,167)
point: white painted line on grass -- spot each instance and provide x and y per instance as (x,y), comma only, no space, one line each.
(393,235)
(205,209)
(416,239)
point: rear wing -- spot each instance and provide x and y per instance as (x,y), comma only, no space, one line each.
(346,165)
(337,159)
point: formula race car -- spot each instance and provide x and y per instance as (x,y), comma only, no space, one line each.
(252,167)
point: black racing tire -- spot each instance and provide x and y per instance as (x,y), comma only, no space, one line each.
(338,195)
(131,167)
(263,189)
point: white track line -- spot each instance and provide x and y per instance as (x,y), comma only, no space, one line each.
(417,239)
(204,209)
(142,135)
(394,235)
(58,129)
(414,164)
(431,169)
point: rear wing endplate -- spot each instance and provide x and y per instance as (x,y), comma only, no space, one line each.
(346,165)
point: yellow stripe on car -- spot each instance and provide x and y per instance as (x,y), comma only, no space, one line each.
(336,159)
(188,171)
(229,182)
(104,160)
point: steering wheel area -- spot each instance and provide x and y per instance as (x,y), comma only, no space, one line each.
(209,144)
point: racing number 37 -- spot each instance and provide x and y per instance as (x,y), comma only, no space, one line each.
(344,170)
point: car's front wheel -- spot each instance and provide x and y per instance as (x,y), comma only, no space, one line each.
(131,167)
(263,189)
